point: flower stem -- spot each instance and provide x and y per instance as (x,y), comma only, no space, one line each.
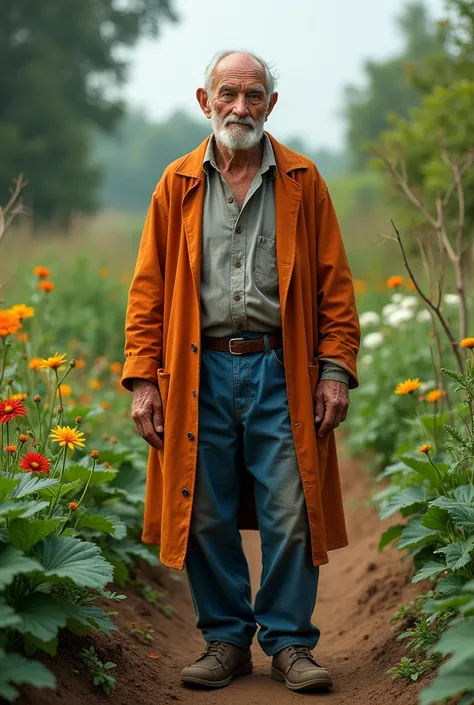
(53,506)
(4,363)
(439,475)
(87,484)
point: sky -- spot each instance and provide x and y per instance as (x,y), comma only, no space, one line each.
(316,46)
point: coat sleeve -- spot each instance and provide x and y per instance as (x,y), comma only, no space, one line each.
(144,316)
(339,332)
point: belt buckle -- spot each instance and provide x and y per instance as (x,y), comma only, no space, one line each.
(230,346)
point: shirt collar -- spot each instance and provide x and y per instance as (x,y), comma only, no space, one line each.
(268,156)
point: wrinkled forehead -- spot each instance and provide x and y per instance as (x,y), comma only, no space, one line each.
(240,70)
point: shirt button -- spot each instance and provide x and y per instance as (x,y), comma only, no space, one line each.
(238,229)
(237,264)
(236,297)
(230,199)
(185,492)
(190,436)
(239,326)
(194,392)
(193,347)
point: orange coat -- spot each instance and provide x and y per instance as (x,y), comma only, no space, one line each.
(163,341)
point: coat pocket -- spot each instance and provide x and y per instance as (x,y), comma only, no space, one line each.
(163,379)
(266,271)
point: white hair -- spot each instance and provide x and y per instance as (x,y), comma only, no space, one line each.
(270,76)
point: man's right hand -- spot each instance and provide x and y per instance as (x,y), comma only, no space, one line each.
(147,413)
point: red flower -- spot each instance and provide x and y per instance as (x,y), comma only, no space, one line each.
(11,409)
(35,462)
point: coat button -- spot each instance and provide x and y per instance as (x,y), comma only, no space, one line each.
(238,229)
(193,347)
(190,436)
(236,297)
(230,199)
(185,492)
(237,264)
(194,392)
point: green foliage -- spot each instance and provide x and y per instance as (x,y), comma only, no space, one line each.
(98,670)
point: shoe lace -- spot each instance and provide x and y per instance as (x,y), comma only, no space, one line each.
(217,649)
(298,652)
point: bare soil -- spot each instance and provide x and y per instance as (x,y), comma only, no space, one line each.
(359,590)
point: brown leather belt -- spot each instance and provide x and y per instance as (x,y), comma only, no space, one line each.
(240,346)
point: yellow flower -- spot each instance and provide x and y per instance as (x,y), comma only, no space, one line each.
(66,389)
(35,363)
(9,323)
(467,343)
(394,281)
(434,395)
(22,311)
(20,396)
(408,386)
(95,383)
(67,436)
(425,448)
(55,361)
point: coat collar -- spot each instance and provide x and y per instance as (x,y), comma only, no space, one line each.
(286,159)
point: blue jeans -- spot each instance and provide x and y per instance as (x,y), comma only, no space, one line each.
(243,405)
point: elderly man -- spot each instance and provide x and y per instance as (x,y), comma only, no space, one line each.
(241,344)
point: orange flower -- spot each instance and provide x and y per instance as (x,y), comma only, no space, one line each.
(35,462)
(360,287)
(411,286)
(467,343)
(105,404)
(41,272)
(394,281)
(22,337)
(55,361)
(425,448)
(95,383)
(9,323)
(20,396)
(434,395)
(22,311)
(73,506)
(22,438)
(104,272)
(10,449)
(67,436)
(66,389)
(35,363)
(95,454)
(46,286)
(80,363)
(11,409)
(152,656)
(115,368)
(408,386)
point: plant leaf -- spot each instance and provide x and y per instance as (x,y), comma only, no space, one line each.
(13,562)
(415,533)
(422,467)
(42,617)
(21,509)
(457,554)
(428,571)
(392,533)
(459,642)
(8,618)
(406,497)
(436,519)
(447,685)
(17,669)
(111,524)
(464,493)
(451,585)
(7,485)
(80,474)
(31,483)
(73,560)
(24,533)
(91,617)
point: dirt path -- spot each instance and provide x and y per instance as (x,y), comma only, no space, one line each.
(359,591)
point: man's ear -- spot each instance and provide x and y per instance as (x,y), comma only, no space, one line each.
(203,100)
(271,105)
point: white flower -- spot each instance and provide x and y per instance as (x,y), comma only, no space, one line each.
(389,309)
(372,340)
(425,386)
(369,318)
(423,315)
(409,301)
(366,360)
(398,317)
(451,299)
(396,298)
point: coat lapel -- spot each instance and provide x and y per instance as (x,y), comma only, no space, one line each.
(287,205)
(192,208)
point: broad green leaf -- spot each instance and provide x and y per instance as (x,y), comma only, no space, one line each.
(428,571)
(113,457)
(8,618)
(448,684)
(24,533)
(111,524)
(16,669)
(451,585)
(21,509)
(392,533)
(464,493)
(31,483)
(132,482)
(42,617)
(14,562)
(457,554)
(463,517)
(80,474)
(7,485)
(422,467)
(436,519)
(91,617)
(126,548)
(32,644)
(415,533)
(406,497)
(459,642)
(121,574)
(430,421)
(468,699)
(74,561)
(59,490)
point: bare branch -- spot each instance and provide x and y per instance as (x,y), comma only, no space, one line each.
(14,206)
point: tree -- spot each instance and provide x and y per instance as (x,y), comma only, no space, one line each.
(59,61)
(389,85)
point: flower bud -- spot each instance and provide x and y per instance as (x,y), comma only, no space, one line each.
(72,363)
(95,454)
(59,409)
(78,419)
(73,506)
(113,439)
(9,380)
(37,398)
(22,438)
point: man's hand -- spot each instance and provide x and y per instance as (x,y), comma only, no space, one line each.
(331,405)
(147,412)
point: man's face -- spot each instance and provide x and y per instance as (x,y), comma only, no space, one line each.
(239,103)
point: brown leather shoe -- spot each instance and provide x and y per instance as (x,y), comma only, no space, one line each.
(296,667)
(217,665)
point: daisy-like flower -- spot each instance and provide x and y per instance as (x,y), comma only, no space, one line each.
(41,272)
(467,343)
(35,363)
(67,436)
(425,448)
(10,449)
(115,368)
(95,384)
(54,362)
(46,286)
(66,389)
(434,395)
(11,409)
(73,506)
(80,363)
(20,396)
(9,323)
(35,462)
(394,281)
(105,404)
(408,386)
(22,311)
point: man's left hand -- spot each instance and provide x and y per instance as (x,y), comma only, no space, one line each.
(331,405)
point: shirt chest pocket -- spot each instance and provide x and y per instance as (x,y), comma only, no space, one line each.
(265,269)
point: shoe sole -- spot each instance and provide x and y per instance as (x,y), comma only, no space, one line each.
(321,683)
(241,671)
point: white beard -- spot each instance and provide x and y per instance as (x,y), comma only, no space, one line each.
(233,137)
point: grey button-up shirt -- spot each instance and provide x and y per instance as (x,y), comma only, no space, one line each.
(239,276)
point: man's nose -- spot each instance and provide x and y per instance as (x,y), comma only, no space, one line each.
(240,107)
